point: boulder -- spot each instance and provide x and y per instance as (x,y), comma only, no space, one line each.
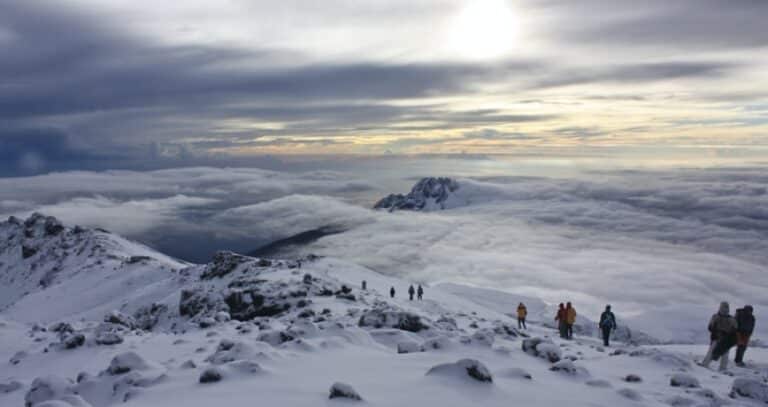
(108,338)
(409,347)
(72,341)
(343,390)
(118,318)
(402,320)
(542,348)
(464,368)
(230,351)
(750,388)
(210,375)
(568,367)
(127,362)
(683,380)
(47,388)
(632,378)
(189,364)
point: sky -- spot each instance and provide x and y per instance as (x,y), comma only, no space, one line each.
(132,84)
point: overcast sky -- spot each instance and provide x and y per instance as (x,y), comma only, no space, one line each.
(89,84)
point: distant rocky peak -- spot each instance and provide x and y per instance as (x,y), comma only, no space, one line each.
(429,193)
(36,225)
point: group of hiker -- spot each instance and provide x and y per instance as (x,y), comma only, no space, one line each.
(726,331)
(419,292)
(565,317)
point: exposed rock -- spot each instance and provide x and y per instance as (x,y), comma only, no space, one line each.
(683,380)
(148,316)
(108,338)
(463,368)
(632,378)
(343,390)
(409,347)
(127,362)
(189,364)
(230,351)
(210,375)
(245,305)
(47,388)
(568,367)
(750,388)
(72,341)
(405,321)
(436,343)
(542,348)
(118,318)
(223,263)
(426,194)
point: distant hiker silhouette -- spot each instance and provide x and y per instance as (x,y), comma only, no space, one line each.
(365,285)
(745,322)
(392,292)
(570,319)
(562,326)
(722,328)
(522,313)
(607,324)
(420,292)
(411,291)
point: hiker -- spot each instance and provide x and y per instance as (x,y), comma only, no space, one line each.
(722,329)
(745,323)
(365,285)
(419,292)
(522,312)
(392,292)
(411,291)
(570,319)
(607,324)
(560,318)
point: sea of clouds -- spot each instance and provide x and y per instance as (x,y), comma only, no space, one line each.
(663,246)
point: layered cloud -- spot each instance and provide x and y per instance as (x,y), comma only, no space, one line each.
(123,85)
(646,241)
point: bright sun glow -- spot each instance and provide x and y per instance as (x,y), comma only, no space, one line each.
(484,29)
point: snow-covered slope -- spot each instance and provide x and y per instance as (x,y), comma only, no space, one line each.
(242,330)
(49,271)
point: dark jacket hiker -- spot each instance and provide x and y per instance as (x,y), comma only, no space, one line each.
(607,324)
(745,322)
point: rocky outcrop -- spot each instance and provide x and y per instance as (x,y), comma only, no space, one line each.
(343,390)
(378,318)
(428,193)
(464,368)
(542,348)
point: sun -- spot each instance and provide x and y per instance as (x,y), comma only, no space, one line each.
(484,29)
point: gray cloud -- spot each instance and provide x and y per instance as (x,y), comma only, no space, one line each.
(682,25)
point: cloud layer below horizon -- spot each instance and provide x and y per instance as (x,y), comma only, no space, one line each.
(647,241)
